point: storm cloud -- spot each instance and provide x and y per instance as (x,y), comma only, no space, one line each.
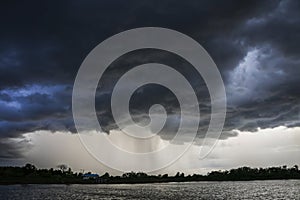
(255,44)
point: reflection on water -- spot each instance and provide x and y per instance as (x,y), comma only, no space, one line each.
(286,189)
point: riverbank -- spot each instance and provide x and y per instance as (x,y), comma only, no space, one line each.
(29,174)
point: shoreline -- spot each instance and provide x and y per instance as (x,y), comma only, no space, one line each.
(29,174)
(135,183)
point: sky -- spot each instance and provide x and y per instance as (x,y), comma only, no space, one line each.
(255,45)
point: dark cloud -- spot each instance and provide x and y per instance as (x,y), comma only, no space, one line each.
(255,44)
(13,148)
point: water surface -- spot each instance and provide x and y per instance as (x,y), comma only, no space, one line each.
(283,189)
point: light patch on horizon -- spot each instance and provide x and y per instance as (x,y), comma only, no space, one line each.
(267,147)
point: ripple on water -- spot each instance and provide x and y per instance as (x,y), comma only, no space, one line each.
(281,189)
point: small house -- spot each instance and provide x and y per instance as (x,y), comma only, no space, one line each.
(89,176)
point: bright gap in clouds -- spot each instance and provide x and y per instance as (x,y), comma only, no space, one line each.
(266,147)
(34,89)
(255,75)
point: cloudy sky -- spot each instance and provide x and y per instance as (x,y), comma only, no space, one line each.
(255,44)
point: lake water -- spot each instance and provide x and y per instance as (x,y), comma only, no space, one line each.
(289,189)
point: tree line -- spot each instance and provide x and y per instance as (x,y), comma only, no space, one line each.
(63,174)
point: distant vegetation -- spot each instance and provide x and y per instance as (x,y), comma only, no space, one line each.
(30,174)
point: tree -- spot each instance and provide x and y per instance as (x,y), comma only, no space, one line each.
(30,167)
(106,175)
(284,167)
(165,176)
(62,167)
(296,167)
